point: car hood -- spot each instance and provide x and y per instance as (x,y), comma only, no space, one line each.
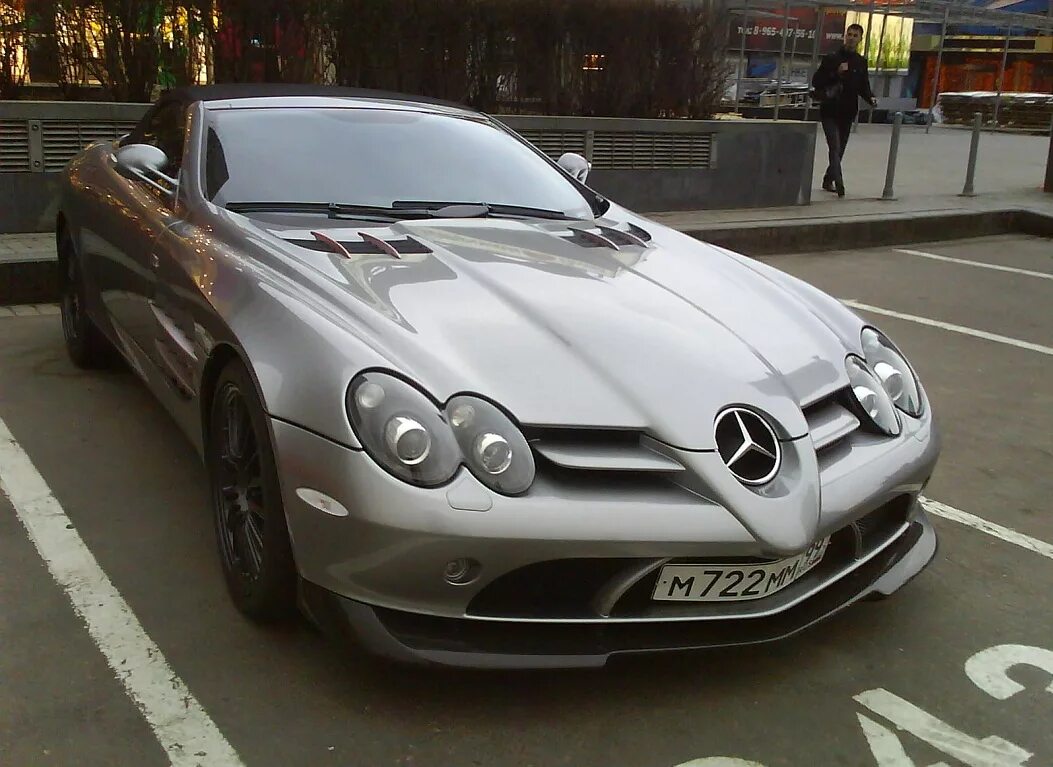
(563,329)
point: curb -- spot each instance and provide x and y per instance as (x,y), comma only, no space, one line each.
(29,281)
(35,281)
(810,235)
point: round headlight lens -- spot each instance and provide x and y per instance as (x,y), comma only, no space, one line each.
(872,396)
(893,370)
(493,453)
(407,440)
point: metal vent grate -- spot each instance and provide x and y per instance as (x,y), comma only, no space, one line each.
(651,150)
(14,146)
(555,143)
(62,139)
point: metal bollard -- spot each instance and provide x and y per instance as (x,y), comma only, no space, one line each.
(893,149)
(970,172)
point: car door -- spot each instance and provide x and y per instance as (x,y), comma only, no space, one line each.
(187,259)
(123,262)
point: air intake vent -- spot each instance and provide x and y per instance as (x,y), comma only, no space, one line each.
(405,246)
(599,450)
(14,146)
(62,139)
(651,150)
(829,421)
(555,143)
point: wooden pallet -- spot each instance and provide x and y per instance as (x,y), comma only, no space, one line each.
(1023,111)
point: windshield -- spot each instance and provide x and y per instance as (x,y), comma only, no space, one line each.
(376,157)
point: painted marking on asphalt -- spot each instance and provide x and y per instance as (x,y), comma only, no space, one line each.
(885,746)
(998,531)
(948,326)
(978,264)
(987,669)
(991,751)
(183,728)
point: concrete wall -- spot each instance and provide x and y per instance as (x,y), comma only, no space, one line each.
(36,139)
(751,163)
(646,165)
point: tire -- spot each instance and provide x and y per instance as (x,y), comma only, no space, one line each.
(251,532)
(86,345)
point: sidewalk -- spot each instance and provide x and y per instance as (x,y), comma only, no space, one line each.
(930,174)
(26,247)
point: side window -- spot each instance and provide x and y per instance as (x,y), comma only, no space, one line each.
(166,130)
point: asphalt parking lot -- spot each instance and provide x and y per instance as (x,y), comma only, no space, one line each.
(918,679)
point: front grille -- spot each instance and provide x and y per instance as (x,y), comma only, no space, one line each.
(831,420)
(567,588)
(875,528)
(428,633)
(561,588)
(623,452)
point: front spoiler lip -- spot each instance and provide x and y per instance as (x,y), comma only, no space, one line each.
(392,634)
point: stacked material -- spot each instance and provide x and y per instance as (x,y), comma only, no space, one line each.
(1024,111)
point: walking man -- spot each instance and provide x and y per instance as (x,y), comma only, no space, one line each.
(839,81)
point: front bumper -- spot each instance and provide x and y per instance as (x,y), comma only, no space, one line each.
(567,570)
(421,639)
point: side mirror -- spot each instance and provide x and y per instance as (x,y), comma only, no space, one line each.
(576,165)
(147,163)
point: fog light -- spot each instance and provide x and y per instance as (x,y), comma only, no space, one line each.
(461,571)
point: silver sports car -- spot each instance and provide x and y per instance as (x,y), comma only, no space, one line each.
(461,408)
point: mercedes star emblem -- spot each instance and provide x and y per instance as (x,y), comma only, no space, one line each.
(748,446)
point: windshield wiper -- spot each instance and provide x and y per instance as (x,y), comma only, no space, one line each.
(399,210)
(330,209)
(482,209)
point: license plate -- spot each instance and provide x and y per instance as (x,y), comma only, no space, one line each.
(732,583)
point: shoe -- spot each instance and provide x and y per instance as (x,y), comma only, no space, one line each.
(828,185)
(840,190)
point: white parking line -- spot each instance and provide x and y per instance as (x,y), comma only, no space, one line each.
(978,264)
(183,728)
(1006,534)
(948,326)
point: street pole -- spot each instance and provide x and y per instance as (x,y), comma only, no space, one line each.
(939,63)
(782,57)
(815,54)
(742,53)
(893,150)
(974,145)
(1001,74)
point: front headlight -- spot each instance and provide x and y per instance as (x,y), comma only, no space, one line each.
(407,434)
(893,370)
(495,450)
(872,397)
(402,429)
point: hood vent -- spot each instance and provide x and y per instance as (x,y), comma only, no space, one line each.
(643,234)
(600,236)
(369,246)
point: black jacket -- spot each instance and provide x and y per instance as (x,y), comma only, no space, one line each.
(854,83)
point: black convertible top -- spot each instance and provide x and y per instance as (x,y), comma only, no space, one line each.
(231,91)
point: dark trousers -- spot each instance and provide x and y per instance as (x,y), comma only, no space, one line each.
(837,129)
